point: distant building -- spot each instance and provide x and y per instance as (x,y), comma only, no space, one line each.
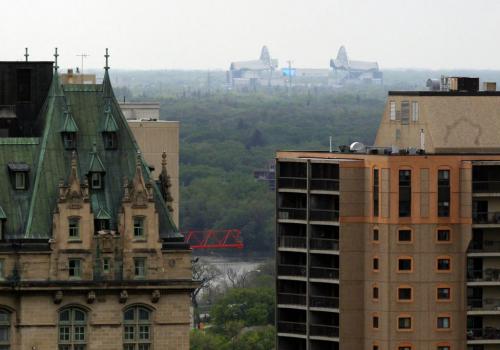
(267,175)
(77,78)
(254,73)
(350,71)
(141,110)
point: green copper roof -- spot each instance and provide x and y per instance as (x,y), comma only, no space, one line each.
(96,165)
(69,123)
(2,214)
(30,212)
(109,122)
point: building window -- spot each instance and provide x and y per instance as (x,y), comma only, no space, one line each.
(75,268)
(443,347)
(72,329)
(375,322)
(443,322)
(4,329)
(405,112)
(404,193)
(398,134)
(140,267)
(375,192)
(404,347)
(96,181)
(375,293)
(392,110)
(443,264)
(414,111)
(443,193)
(375,347)
(106,265)
(69,140)
(137,331)
(375,235)
(404,323)
(20,180)
(74,228)
(405,264)
(375,264)
(404,236)
(405,294)
(138,227)
(443,236)
(443,293)
(110,140)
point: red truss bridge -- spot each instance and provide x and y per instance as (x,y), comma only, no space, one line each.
(214,239)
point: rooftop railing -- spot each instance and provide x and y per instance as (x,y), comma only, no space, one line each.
(320,330)
(292,270)
(292,327)
(323,244)
(292,242)
(492,217)
(324,272)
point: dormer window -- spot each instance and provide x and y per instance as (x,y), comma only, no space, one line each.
(19,175)
(69,140)
(110,140)
(96,181)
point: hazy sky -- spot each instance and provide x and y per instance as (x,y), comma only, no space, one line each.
(208,34)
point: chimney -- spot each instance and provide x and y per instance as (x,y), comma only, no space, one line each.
(489,86)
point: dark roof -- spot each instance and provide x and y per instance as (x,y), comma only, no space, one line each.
(444,93)
(29,213)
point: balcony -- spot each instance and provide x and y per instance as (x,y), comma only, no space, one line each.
(324,215)
(296,183)
(324,272)
(292,214)
(291,299)
(486,333)
(292,327)
(485,246)
(319,330)
(323,244)
(324,184)
(486,186)
(292,270)
(486,218)
(486,275)
(292,242)
(486,304)
(324,302)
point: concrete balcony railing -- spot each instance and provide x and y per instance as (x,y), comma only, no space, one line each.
(492,217)
(292,183)
(292,242)
(484,246)
(324,302)
(486,186)
(324,272)
(292,213)
(486,333)
(323,244)
(484,275)
(292,327)
(323,215)
(292,270)
(320,330)
(324,184)
(488,304)
(291,299)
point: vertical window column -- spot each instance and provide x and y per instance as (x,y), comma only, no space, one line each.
(443,193)
(404,193)
(375,192)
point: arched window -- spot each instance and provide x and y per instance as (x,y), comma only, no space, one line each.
(72,329)
(4,330)
(137,332)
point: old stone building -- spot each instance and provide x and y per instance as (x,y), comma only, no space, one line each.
(89,255)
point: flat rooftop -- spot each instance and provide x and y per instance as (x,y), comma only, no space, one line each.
(444,93)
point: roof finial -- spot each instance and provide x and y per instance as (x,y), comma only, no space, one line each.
(26,55)
(107,57)
(56,67)
(73,160)
(94,147)
(164,159)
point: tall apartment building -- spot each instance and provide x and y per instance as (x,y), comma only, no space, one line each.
(395,246)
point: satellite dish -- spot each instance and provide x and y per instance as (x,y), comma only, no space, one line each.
(357,147)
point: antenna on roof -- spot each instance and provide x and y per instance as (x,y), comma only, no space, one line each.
(107,57)
(26,55)
(56,67)
(82,55)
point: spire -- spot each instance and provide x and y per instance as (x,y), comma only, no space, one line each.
(107,63)
(26,55)
(56,55)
